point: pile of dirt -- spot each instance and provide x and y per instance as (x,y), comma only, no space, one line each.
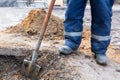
(32,24)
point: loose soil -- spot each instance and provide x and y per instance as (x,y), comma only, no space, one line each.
(32,25)
(18,43)
(57,67)
(76,66)
(10,65)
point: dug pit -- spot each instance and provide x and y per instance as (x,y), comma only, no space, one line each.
(10,64)
(55,66)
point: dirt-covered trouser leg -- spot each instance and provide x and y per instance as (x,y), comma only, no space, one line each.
(101,25)
(73,23)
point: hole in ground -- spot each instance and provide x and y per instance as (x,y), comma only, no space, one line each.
(11,61)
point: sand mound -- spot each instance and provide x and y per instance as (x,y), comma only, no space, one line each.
(32,24)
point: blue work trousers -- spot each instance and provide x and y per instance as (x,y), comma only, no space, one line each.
(101,12)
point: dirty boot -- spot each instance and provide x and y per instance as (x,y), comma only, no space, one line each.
(101,59)
(65,50)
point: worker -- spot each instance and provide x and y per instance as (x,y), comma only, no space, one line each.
(101,11)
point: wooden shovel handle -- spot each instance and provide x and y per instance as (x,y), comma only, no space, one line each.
(45,23)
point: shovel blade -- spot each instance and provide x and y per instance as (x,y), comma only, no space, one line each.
(30,69)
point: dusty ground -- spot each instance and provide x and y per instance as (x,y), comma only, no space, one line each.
(17,47)
(79,66)
(54,66)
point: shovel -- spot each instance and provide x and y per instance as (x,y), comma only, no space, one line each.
(30,68)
